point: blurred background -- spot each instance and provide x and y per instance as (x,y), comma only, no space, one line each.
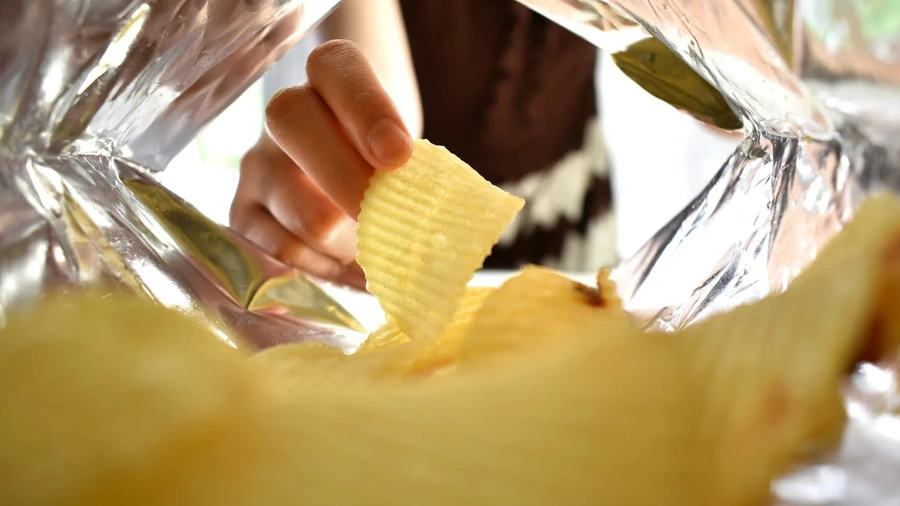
(658,166)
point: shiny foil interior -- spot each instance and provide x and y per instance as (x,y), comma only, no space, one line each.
(816,86)
(96,97)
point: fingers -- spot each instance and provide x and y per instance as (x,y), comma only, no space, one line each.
(340,126)
(300,122)
(338,129)
(352,275)
(340,73)
(258,226)
(270,179)
(305,211)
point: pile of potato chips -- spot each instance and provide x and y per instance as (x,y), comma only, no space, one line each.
(539,392)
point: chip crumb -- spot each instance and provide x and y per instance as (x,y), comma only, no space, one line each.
(592,296)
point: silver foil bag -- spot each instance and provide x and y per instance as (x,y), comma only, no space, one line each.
(816,84)
(96,96)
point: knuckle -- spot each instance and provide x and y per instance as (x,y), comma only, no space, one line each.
(289,252)
(321,223)
(329,56)
(286,101)
(234,219)
(249,163)
(247,190)
(367,94)
(292,251)
(237,214)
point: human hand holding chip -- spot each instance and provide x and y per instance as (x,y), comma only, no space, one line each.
(302,183)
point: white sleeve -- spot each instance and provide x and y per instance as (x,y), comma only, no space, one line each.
(660,158)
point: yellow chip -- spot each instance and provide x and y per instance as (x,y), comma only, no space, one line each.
(591,423)
(424,230)
(104,399)
(422,358)
(290,368)
(444,352)
(772,371)
(540,305)
(384,336)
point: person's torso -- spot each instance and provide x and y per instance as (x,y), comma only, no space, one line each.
(513,95)
(506,89)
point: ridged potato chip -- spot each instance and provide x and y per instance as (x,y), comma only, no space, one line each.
(445,351)
(540,305)
(387,335)
(388,352)
(118,401)
(306,365)
(424,230)
(557,397)
(593,422)
(771,371)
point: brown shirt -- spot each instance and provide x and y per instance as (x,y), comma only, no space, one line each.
(512,94)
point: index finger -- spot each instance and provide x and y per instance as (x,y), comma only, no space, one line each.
(339,72)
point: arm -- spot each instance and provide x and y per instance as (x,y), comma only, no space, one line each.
(376,26)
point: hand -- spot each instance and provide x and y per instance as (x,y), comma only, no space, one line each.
(301,185)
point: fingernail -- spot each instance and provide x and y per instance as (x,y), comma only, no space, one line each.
(341,242)
(389,143)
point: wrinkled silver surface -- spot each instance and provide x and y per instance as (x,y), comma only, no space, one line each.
(821,109)
(95,97)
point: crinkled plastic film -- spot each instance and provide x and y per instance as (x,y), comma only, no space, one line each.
(816,85)
(96,97)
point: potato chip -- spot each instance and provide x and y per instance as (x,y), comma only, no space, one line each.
(424,230)
(883,339)
(593,422)
(399,357)
(117,401)
(540,305)
(773,370)
(295,368)
(292,367)
(558,398)
(444,352)
(386,335)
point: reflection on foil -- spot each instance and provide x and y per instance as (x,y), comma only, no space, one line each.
(96,96)
(224,257)
(722,41)
(817,85)
(762,219)
(651,65)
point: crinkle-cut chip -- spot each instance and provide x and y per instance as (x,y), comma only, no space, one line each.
(594,422)
(387,335)
(421,358)
(883,341)
(424,230)
(444,352)
(284,355)
(608,291)
(610,415)
(429,356)
(294,369)
(773,369)
(299,370)
(103,399)
(295,366)
(541,305)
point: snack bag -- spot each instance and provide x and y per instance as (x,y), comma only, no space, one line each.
(97,97)
(815,86)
